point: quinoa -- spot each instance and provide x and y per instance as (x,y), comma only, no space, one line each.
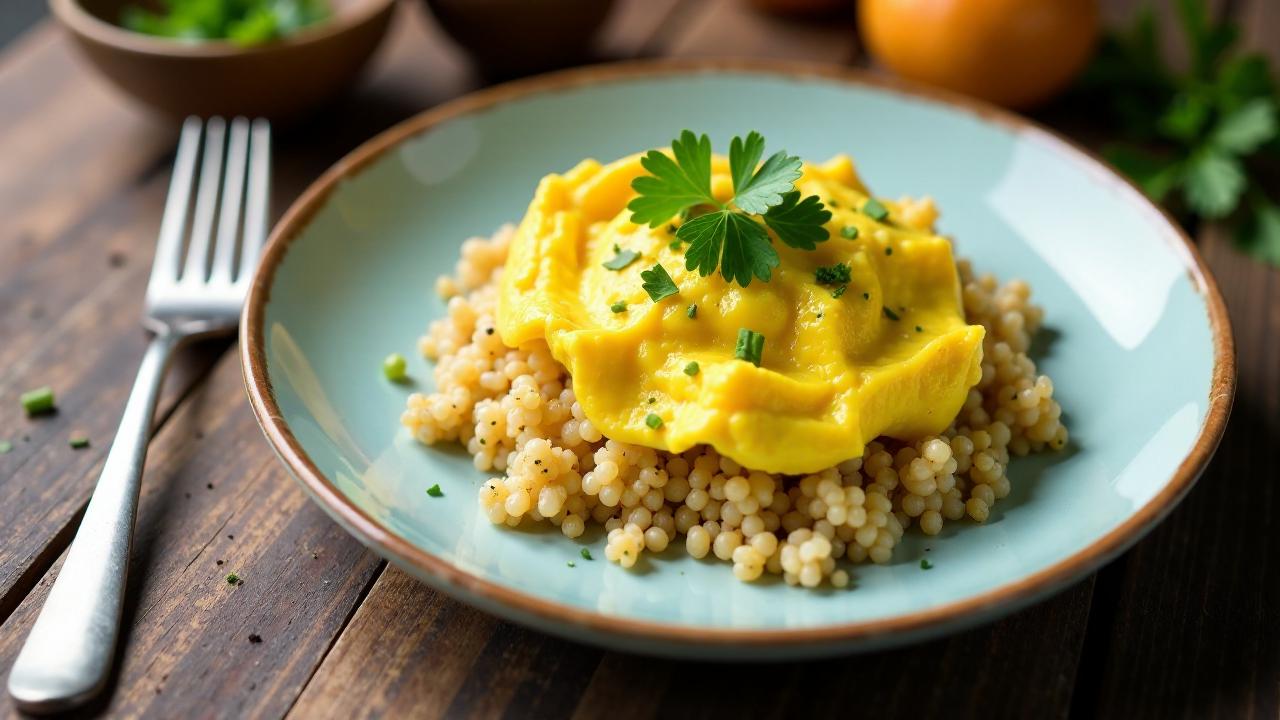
(515,411)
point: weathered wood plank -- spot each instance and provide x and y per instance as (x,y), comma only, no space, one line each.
(218,501)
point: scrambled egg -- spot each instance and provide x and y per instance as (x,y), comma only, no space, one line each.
(891,355)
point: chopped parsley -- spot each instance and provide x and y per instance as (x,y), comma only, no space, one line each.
(832,274)
(732,237)
(838,292)
(394,367)
(891,314)
(586,554)
(866,296)
(621,259)
(38,401)
(653,421)
(435,491)
(919,329)
(750,346)
(692,312)
(674,244)
(850,232)
(692,368)
(925,564)
(888,251)
(234,579)
(873,209)
(78,442)
(658,283)
(618,307)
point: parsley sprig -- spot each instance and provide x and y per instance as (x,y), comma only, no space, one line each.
(1202,140)
(728,235)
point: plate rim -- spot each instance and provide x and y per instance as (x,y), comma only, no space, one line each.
(982,606)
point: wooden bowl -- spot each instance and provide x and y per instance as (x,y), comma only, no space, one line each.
(279,80)
(513,38)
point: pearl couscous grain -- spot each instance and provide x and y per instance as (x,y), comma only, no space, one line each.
(515,411)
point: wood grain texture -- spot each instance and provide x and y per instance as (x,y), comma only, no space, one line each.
(216,501)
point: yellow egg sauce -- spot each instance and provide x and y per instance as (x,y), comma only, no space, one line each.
(892,355)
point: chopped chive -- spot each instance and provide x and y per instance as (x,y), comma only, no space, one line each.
(658,283)
(571,564)
(435,491)
(586,554)
(394,366)
(874,210)
(890,314)
(5,446)
(850,232)
(692,368)
(832,274)
(653,421)
(38,401)
(618,307)
(750,346)
(888,251)
(621,259)
(692,312)
(839,291)
(925,564)
(78,442)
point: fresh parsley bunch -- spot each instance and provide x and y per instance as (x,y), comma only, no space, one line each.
(729,235)
(1202,139)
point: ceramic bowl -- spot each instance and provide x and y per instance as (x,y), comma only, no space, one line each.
(1136,340)
(279,80)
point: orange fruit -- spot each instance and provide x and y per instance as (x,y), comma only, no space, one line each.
(1012,52)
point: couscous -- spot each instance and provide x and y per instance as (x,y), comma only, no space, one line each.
(515,410)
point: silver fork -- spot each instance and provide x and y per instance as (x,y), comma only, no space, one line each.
(197,287)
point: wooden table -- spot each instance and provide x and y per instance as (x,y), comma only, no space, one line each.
(1184,625)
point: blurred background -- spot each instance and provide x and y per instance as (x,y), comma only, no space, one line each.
(1162,89)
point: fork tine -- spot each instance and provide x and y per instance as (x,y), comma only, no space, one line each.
(164,268)
(258,199)
(224,248)
(197,267)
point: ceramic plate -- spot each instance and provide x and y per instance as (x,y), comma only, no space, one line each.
(1137,343)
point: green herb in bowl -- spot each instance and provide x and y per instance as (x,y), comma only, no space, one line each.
(244,22)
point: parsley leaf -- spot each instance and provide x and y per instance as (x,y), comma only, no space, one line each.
(1247,128)
(761,191)
(799,223)
(658,283)
(747,251)
(622,259)
(673,185)
(1214,183)
(727,235)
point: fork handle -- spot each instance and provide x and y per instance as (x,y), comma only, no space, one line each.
(68,655)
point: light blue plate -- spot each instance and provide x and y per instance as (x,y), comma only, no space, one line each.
(1137,344)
